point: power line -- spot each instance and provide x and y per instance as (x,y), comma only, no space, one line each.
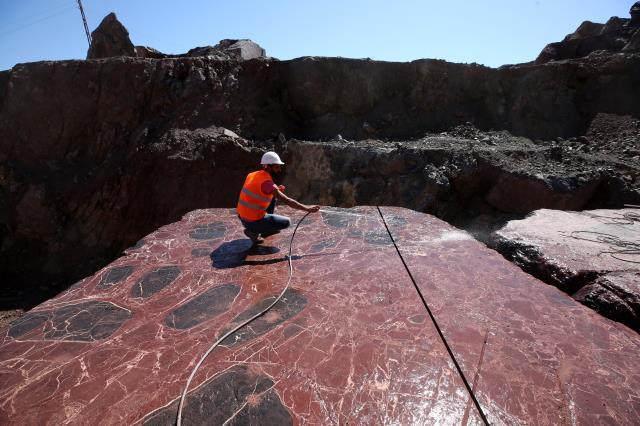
(37,21)
(18,21)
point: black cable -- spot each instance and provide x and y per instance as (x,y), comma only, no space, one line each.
(617,245)
(627,218)
(435,323)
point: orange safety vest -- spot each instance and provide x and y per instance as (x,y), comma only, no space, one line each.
(253,203)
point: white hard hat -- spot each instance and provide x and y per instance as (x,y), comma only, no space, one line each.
(271,158)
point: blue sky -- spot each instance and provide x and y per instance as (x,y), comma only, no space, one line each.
(489,32)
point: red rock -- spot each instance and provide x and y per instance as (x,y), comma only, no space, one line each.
(579,252)
(350,343)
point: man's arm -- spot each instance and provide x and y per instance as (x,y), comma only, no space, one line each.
(293,203)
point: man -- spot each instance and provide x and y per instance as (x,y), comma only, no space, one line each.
(257,201)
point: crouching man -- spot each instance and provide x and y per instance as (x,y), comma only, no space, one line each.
(257,201)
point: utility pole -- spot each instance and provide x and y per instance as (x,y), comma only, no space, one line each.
(84,20)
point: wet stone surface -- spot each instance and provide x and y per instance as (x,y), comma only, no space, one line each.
(208,305)
(340,218)
(377,237)
(237,397)
(351,343)
(291,304)
(85,322)
(155,281)
(114,276)
(209,231)
(591,255)
(201,252)
(323,245)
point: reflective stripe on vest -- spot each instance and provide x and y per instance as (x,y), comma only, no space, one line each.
(254,195)
(252,202)
(251,206)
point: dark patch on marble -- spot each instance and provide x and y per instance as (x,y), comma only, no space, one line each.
(292,330)
(115,275)
(208,305)
(324,244)
(200,252)
(28,322)
(208,231)
(86,322)
(292,303)
(380,237)
(231,254)
(240,393)
(138,245)
(155,281)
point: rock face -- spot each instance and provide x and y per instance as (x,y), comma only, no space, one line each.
(616,35)
(350,342)
(449,175)
(592,255)
(87,175)
(95,154)
(111,38)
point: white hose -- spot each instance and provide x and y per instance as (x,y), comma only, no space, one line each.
(229,333)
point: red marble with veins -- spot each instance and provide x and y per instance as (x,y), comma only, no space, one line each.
(352,342)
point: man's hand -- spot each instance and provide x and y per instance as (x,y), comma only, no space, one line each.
(312,209)
(281,188)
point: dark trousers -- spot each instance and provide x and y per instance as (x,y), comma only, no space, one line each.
(270,224)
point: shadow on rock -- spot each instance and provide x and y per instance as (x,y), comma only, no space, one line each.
(233,254)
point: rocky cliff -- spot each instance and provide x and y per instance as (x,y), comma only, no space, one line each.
(94,154)
(616,35)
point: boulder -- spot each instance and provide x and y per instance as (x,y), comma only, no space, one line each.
(230,49)
(635,14)
(351,341)
(592,255)
(590,38)
(111,38)
(580,47)
(614,24)
(242,49)
(149,52)
(614,295)
(586,29)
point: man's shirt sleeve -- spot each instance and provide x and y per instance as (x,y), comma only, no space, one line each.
(268,187)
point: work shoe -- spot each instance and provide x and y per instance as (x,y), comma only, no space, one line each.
(255,238)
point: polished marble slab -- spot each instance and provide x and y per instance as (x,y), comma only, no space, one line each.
(350,343)
(536,356)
